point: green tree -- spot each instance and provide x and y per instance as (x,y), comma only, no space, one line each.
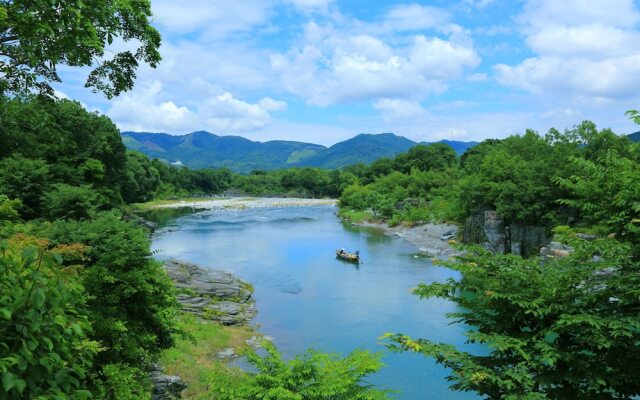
(312,376)
(142,179)
(425,158)
(132,303)
(72,202)
(9,209)
(25,180)
(38,36)
(566,328)
(607,194)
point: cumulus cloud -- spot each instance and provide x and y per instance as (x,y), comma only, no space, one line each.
(333,67)
(398,109)
(216,18)
(584,50)
(144,109)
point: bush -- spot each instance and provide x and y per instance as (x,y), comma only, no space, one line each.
(132,304)
(44,349)
(312,376)
(73,202)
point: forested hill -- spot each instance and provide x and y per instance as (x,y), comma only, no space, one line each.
(634,137)
(206,150)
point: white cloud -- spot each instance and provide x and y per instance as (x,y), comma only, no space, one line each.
(145,109)
(331,66)
(397,109)
(270,104)
(408,17)
(139,110)
(539,14)
(311,5)
(579,78)
(588,41)
(216,18)
(586,51)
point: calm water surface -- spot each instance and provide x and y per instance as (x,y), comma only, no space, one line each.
(307,298)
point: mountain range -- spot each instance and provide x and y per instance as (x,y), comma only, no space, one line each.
(205,150)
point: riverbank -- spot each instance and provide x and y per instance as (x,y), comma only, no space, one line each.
(431,239)
(237,203)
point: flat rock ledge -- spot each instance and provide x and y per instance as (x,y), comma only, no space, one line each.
(212,294)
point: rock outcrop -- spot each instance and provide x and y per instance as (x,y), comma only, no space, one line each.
(489,229)
(165,387)
(212,294)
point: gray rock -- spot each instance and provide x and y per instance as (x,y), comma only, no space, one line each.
(212,294)
(489,229)
(586,236)
(256,341)
(165,387)
(227,353)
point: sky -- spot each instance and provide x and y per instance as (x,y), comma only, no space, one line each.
(323,71)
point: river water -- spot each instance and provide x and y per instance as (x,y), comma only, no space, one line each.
(306,298)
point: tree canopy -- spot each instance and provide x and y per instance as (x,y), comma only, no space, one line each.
(38,36)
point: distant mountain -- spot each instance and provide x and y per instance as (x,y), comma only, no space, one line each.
(365,148)
(203,149)
(634,137)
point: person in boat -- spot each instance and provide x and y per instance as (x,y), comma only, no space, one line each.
(358,253)
(342,250)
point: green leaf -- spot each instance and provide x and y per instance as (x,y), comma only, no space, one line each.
(8,381)
(4,313)
(38,297)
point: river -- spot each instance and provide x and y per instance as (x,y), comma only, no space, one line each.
(306,298)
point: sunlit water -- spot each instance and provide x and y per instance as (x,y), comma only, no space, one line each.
(308,299)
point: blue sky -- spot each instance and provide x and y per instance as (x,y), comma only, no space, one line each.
(325,70)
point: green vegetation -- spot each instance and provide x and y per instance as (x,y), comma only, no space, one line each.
(559,328)
(311,376)
(194,355)
(567,328)
(206,150)
(85,310)
(37,37)
(528,179)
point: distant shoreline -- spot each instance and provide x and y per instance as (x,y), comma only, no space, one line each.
(241,203)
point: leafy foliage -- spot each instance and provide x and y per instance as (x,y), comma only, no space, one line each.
(312,376)
(38,36)
(132,302)
(73,202)
(562,328)
(606,193)
(45,351)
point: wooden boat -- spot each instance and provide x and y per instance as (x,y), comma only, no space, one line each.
(353,257)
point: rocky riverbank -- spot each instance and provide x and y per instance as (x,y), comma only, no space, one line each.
(431,239)
(241,203)
(212,294)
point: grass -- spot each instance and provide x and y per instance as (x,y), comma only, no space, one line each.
(194,357)
(355,216)
(150,205)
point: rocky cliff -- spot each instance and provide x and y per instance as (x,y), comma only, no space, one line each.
(490,230)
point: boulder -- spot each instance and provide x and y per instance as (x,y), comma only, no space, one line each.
(165,387)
